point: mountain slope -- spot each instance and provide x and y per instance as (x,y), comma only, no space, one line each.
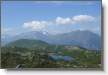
(26,43)
(83,38)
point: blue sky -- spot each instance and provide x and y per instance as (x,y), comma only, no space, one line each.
(53,17)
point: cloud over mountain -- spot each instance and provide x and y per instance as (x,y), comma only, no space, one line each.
(83,18)
(35,25)
(75,19)
(62,21)
(40,25)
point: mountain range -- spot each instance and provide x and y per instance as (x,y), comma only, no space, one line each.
(85,38)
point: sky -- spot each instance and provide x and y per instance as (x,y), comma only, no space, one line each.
(50,16)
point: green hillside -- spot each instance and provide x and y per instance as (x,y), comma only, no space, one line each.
(38,54)
(27,43)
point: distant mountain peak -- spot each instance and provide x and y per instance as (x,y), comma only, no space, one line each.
(82,38)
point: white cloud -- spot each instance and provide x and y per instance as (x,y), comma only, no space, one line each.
(5,30)
(41,25)
(74,20)
(83,18)
(35,25)
(64,2)
(10,31)
(54,2)
(60,20)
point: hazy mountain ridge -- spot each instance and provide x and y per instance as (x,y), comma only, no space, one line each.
(84,39)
